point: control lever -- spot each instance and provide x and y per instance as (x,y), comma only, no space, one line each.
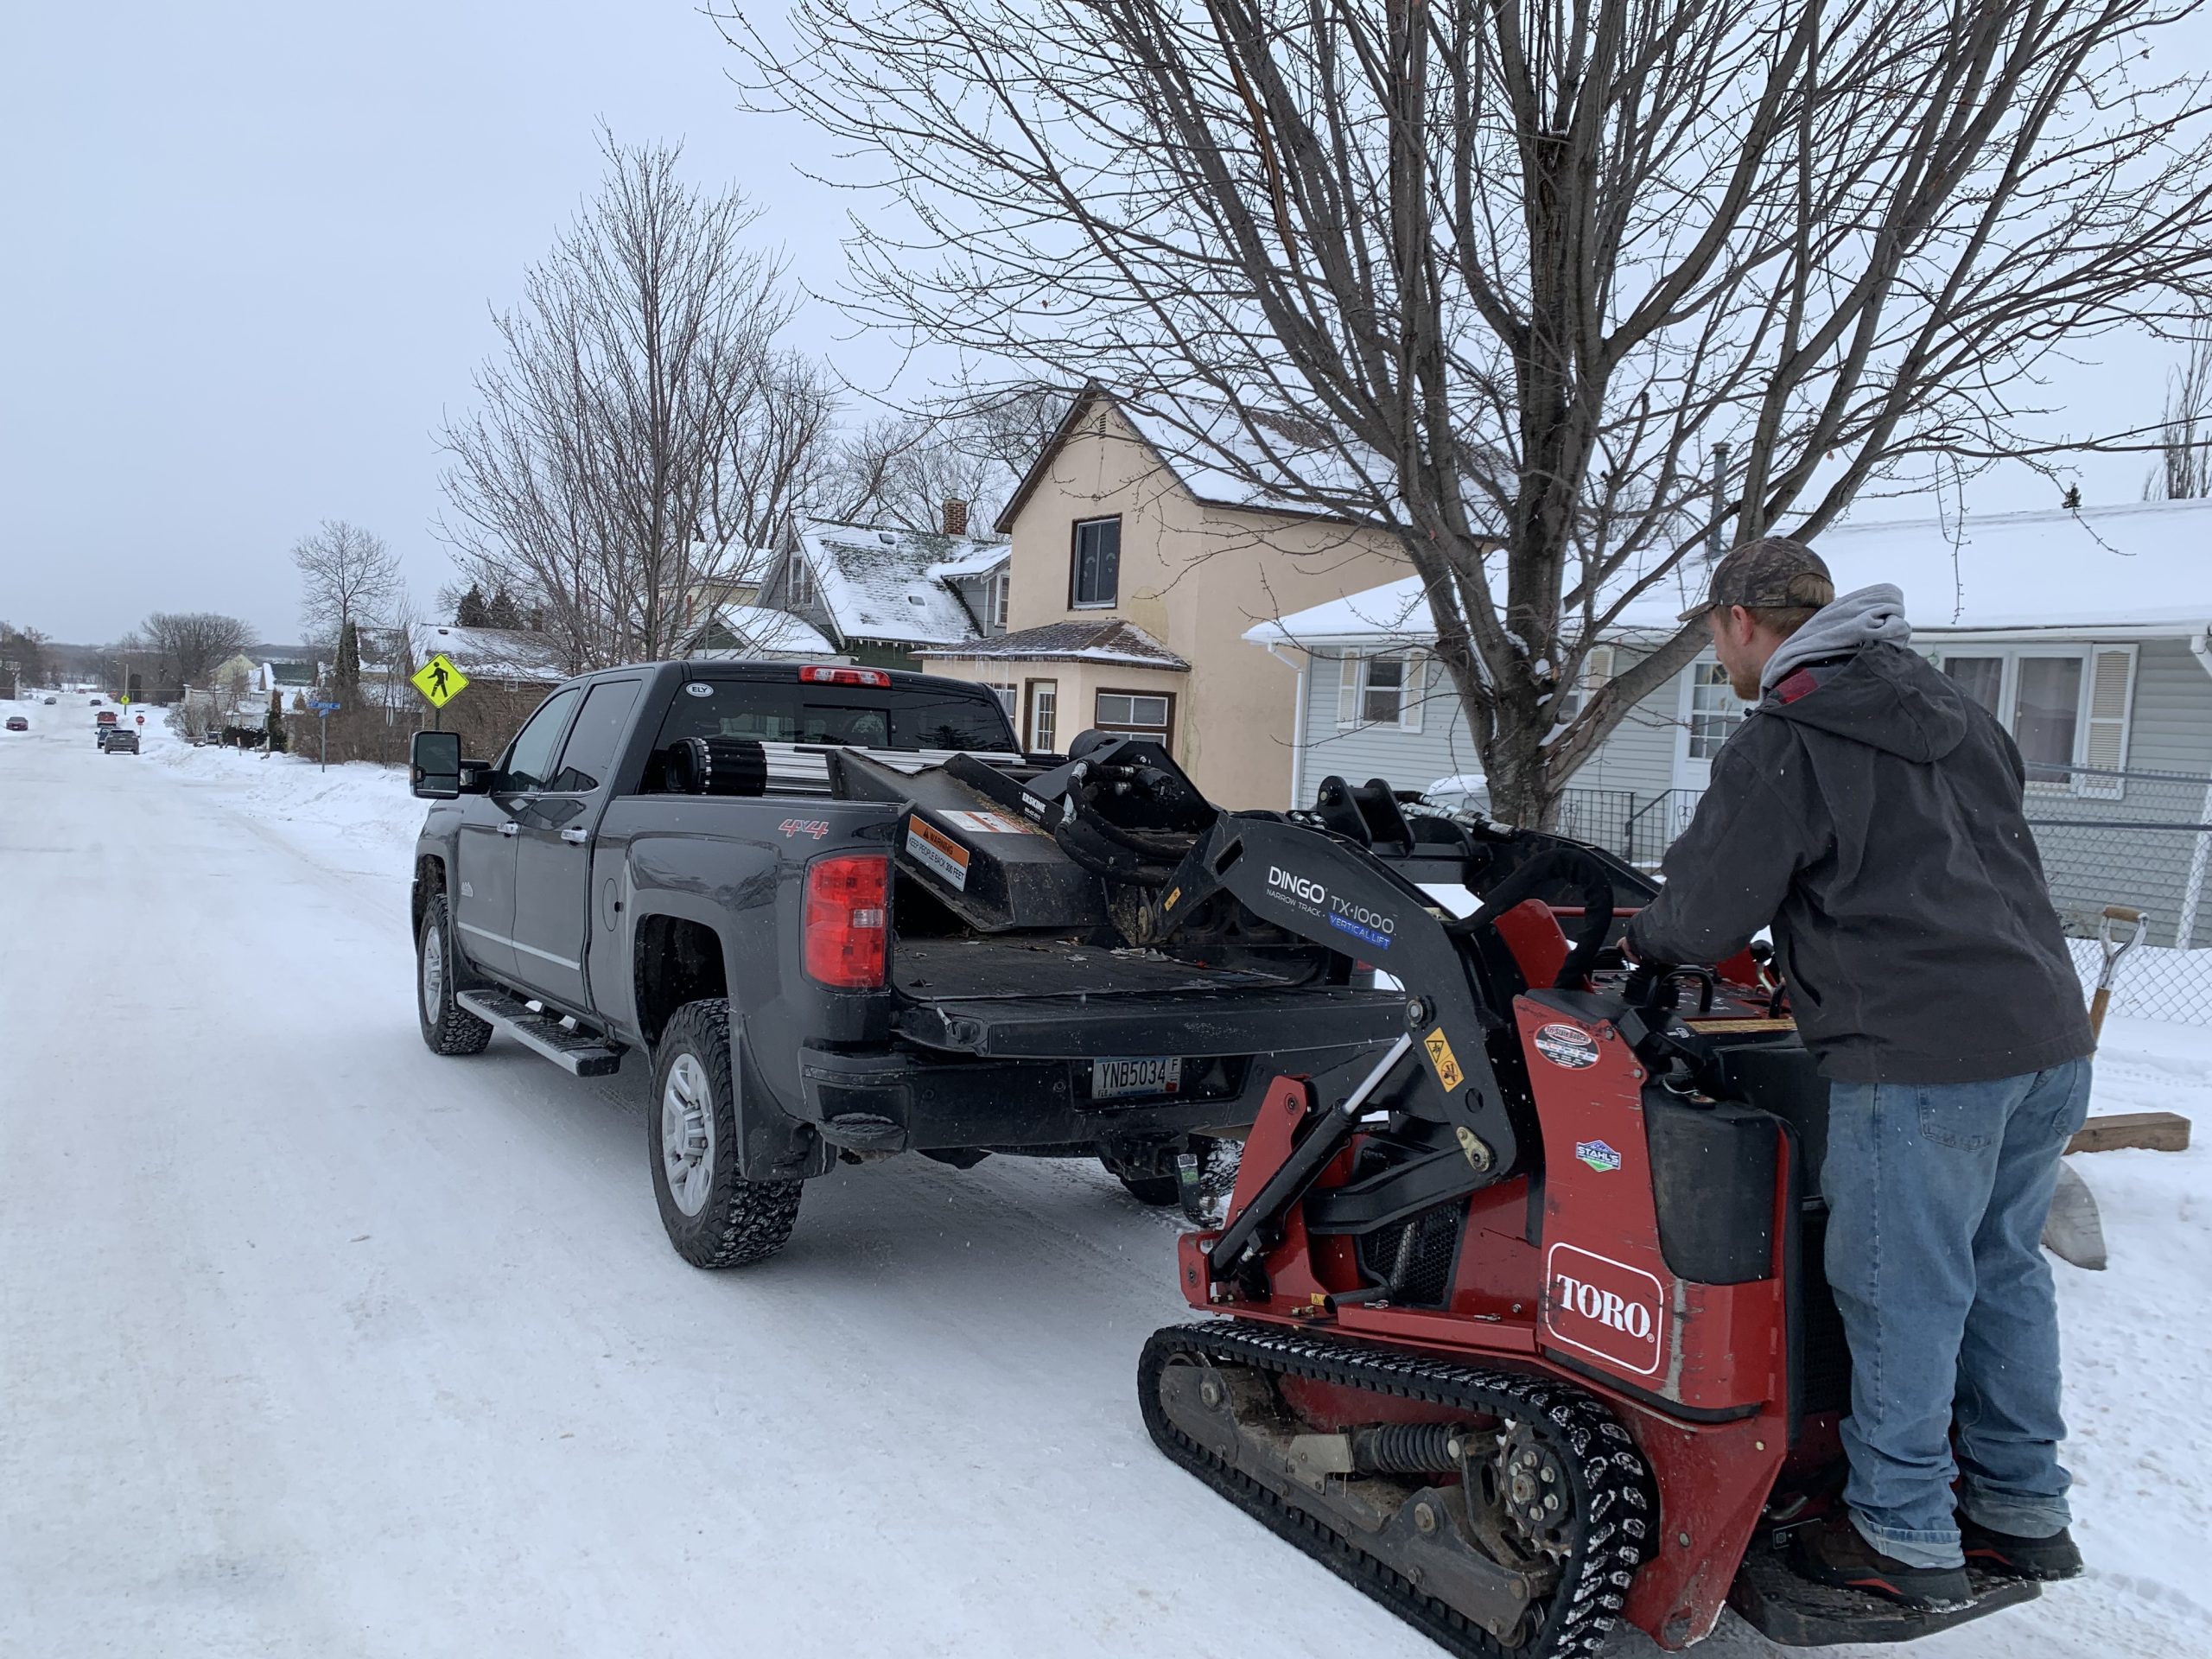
(1678,1057)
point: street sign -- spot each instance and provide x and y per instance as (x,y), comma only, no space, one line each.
(325,710)
(125,701)
(439,681)
(141,719)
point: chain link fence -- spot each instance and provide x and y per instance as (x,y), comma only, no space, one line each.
(2139,840)
(2142,841)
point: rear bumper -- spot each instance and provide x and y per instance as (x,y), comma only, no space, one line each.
(902,1100)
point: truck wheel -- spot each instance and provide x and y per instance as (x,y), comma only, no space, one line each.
(447,1027)
(713,1219)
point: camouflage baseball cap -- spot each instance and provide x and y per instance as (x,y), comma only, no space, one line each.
(1772,574)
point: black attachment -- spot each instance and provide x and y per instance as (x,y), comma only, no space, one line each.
(1367,814)
(715,765)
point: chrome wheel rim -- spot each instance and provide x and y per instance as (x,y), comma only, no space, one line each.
(687,1135)
(434,972)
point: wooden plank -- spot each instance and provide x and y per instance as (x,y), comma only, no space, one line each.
(2153,1131)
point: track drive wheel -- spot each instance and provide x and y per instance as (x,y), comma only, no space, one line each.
(1507,1523)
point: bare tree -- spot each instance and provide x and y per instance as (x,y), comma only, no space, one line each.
(640,435)
(347,574)
(901,469)
(182,648)
(1511,272)
(2184,469)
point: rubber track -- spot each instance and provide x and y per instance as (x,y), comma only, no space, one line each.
(1613,1490)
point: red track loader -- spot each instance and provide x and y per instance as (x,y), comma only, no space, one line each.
(1528,1332)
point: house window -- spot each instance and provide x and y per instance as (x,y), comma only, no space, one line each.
(999,584)
(1097,564)
(1385,690)
(2067,709)
(1597,670)
(1009,696)
(1715,710)
(801,590)
(1136,713)
(1044,717)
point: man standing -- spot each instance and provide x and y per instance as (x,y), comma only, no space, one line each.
(1869,811)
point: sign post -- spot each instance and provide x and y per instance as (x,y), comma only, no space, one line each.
(439,682)
(323,711)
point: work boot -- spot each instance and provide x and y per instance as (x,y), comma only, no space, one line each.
(2014,1557)
(1831,1551)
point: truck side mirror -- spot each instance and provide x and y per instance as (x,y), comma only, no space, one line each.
(433,765)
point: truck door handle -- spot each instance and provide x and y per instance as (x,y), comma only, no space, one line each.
(511,828)
(575,836)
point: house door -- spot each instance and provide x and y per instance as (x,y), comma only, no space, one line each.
(1041,732)
(1710,712)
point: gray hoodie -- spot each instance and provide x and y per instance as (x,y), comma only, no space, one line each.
(1870,810)
(1853,619)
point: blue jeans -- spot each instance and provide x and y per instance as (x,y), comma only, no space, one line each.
(1937,1197)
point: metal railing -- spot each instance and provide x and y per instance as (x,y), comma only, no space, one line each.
(2142,839)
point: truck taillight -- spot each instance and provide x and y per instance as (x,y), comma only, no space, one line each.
(823,675)
(848,920)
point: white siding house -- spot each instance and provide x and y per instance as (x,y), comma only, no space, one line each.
(2088,633)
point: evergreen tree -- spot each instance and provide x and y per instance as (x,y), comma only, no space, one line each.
(347,676)
(501,610)
(471,612)
(276,721)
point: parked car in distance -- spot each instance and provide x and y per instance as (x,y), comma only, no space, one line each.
(17,723)
(93,703)
(50,703)
(120,740)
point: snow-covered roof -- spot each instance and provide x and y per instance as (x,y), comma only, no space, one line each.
(1197,438)
(497,653)
(1108,640)
(879,584)
(764,633)
(2141,566)
(989,558)
(1397,614)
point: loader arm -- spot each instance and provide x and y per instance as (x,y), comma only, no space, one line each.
(1325,886)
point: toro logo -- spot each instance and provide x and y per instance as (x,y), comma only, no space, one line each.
(1604,1307)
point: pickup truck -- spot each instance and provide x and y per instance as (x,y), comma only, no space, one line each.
(817,899)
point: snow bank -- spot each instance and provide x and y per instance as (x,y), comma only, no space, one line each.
(357,817)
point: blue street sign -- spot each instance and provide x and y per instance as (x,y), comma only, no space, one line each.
(324,710)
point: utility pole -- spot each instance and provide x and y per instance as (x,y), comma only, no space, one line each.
(1715,543)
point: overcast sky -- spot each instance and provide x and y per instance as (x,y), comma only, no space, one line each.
(249,250)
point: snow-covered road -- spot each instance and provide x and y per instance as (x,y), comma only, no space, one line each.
(312,1342)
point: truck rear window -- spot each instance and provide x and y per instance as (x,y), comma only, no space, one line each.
(892,717)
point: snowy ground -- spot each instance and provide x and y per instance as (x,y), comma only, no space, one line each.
(313,1344)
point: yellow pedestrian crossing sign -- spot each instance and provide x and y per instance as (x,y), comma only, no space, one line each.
(439,681)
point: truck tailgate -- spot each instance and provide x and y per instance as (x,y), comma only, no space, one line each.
(1052,999)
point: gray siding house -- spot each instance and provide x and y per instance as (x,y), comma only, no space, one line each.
(2087,633)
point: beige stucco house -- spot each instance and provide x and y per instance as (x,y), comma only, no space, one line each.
(1136,569)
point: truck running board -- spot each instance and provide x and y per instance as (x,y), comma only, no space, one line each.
(581,1052)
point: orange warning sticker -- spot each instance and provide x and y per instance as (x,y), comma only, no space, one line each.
(938,852)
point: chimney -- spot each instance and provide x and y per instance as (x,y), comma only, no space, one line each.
(956,518)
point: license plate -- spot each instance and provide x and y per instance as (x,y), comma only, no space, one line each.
(1117,1079)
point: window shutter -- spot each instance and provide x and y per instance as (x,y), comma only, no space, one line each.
(1410,699)
(1348,686)
(2112,701)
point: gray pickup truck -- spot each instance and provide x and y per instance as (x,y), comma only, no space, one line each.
(826,904)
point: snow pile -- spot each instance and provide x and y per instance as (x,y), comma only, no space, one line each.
(357,818)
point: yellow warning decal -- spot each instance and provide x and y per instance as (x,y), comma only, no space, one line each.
(1440,1057)
(1173,894)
